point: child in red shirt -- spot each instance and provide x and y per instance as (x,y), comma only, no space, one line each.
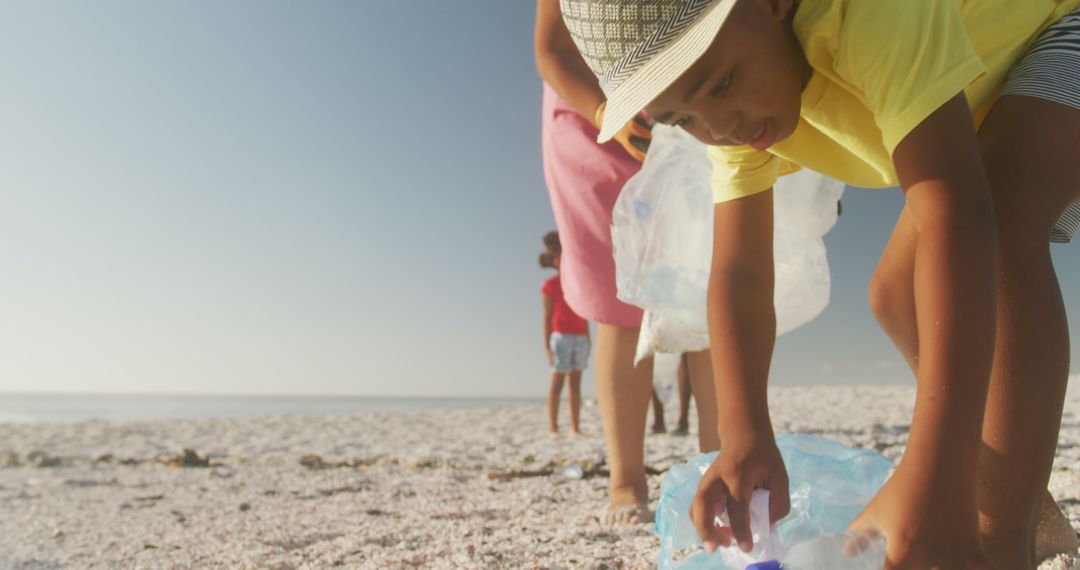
(566,340)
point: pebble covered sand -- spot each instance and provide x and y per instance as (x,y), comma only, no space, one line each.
(472,488)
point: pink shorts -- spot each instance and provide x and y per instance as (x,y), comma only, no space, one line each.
(584,179)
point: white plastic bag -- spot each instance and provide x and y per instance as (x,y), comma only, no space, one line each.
(662,237)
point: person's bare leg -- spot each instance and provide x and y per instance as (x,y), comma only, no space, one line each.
(623,392)
(658,424)
(682,379)
(893,302)
(701,378)
(1022,420)
(892,290)
(1033,179)
(553,399)
(574,402)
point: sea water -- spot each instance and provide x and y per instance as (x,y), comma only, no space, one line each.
(37,408)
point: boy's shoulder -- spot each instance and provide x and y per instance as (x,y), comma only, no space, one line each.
(843,21)
(849,40)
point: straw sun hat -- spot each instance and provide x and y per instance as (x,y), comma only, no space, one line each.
(637,48)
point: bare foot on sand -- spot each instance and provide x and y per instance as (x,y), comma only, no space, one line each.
(681,429)
(658,428)
(1054,534)
(626,506)
(577,434)
(626,514)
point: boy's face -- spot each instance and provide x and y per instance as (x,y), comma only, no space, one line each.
(747,87)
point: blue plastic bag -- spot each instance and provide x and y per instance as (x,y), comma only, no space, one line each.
(830,485)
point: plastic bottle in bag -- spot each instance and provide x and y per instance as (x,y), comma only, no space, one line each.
(830,484)
(767,548)
(829,551)
(662,238)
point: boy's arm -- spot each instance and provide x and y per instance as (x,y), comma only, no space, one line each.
(928,508)
(940,169)
(741,314)
(742,331)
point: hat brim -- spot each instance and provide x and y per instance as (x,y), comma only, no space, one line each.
(638,90)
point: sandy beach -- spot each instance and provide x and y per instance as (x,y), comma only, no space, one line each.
(475,488)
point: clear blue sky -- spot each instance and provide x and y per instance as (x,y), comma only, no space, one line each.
(322,197)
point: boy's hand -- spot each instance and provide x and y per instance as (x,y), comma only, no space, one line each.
(550,357)
(742,466)
(925,527)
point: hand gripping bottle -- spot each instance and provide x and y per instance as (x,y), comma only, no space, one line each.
(830,484)
(767,549)
(829,551)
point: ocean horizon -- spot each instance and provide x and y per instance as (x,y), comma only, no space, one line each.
(29,407)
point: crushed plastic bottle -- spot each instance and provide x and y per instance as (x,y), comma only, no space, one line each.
(830,484)
(572,471)
(829,551)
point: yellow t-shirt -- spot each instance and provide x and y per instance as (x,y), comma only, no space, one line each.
(880,67)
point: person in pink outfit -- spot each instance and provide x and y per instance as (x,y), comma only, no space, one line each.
(584,180)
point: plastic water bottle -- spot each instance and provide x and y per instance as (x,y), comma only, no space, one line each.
(572,471)
(826,552)
(766,549)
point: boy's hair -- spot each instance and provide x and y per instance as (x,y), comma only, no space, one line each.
(547,260)
(551,242)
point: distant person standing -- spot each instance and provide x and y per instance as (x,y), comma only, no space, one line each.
(566,340)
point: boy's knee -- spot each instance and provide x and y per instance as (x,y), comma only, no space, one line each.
(888,298)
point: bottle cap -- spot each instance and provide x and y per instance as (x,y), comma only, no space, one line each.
(767,565)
